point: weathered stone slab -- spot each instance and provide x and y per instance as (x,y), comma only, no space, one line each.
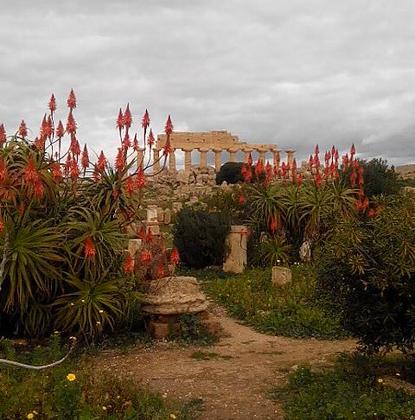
(174,295)
(281,276)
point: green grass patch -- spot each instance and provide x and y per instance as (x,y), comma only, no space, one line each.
(294,310)
(352,390)
(74,390)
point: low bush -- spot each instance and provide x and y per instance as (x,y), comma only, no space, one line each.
(231,172)
(75,390)
(293,310)
(352,390)
(368,266)
(200,236)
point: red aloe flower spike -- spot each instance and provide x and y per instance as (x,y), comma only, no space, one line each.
(22,129)
(60,131)
(89,248)
(353,179)
(68,163)
(317,179)
(74,170)
(352,150)
(126,142)
(130,186)
(3,136)
(300,180)
(142,233)
(127,118)
(145,256)
(70,123)
(30,172)
(311,161)
(38,189)
(333,150)
(102,162)
(140,179)
(174,256)
(128,265)
(40,142)
(52,103)
(242,200)
(327,157)
(85,158)
(259,168)
(167,149)
(71,102)
(316,150)
(145,121)
(160,271)
(336,155)
(168,129)
(75,148)
(120,121)
(49,127)
(120,160)
(149,236)
(56,172)
(250,159)
(150,140)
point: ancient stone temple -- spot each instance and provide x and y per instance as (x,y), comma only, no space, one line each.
(217,142)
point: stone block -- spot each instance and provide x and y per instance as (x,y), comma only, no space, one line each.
(281,276)
(160,215)
(236,248)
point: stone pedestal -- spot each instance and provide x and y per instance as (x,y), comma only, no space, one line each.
(187,160)
(218,159)
(172,161)
(281,276)
(236,250)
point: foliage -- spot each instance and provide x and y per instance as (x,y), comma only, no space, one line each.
(294,310)
(200,236)
(230,172)
(88,394)
(380,178)
(351,390)
(272,251)
(369,268)
(62,227)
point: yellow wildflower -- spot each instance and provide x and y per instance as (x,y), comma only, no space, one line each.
(70,377)
(30,416)
(380,380)
(173,416)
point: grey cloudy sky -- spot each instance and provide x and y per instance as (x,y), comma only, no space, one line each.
(294,73)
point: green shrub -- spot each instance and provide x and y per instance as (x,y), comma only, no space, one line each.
(350,391)
(368,266)
(200,237)
(231,172)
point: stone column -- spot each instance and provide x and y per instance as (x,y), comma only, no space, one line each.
(247,151)
(290,156)
(140,158)
(236,244)
(276,157)
(156,161)
(232,154)
(203,157)
(218,159)
(187,160)
(172,161)
(262,151)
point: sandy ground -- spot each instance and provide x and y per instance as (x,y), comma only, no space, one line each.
(233,383)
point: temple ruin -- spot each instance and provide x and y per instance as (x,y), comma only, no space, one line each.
(217,142)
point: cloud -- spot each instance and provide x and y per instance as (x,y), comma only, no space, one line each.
(294,73)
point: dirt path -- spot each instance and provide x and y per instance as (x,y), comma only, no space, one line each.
(235,378)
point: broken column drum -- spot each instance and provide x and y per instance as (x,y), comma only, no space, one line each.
(236,250)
